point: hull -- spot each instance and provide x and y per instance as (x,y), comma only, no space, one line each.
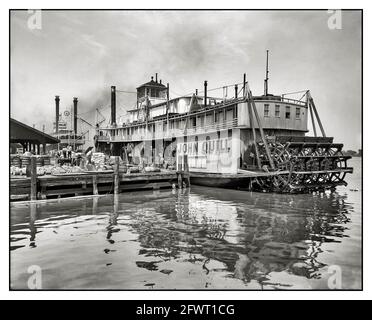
(222,180)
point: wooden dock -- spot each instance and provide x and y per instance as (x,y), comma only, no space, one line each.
(55,186)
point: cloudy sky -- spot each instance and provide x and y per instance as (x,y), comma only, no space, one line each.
(83,53)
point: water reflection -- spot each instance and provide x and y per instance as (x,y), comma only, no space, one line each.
(251,239)
(249,235)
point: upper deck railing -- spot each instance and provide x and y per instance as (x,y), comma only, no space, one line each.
(168,133)
(137,130)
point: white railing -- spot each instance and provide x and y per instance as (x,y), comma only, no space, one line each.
(293,101)
(172,133)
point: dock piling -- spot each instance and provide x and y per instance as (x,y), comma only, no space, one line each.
(116,176)
(179,180)
(33,174)
(95,186)
(186,174)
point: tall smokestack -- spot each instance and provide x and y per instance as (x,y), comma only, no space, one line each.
(266,83)
(205,92)
(75,101)
(57,113)
(113,105)
(236,91)
(156,77)
(244,84)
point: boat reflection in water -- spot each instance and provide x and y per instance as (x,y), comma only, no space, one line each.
(187,239)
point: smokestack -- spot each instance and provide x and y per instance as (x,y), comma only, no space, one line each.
(160,81)
(57,113)
(244,83)
(205,92)
(236,91)
(156,77)
(196,92)
(113,105)
(75,101)
(266,82)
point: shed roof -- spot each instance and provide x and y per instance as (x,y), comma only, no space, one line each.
(20,132)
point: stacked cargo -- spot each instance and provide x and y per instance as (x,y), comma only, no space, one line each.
(98,158)
(15,161)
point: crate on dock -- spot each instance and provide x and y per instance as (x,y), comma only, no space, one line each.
(39,161)
(15,161)
(25,161)
(46,160)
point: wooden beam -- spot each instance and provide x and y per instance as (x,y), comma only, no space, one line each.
(33,172)
(251,122)
(116,176)
(317,117)
(95,186)
(186,171)
(312,117)
(261,129)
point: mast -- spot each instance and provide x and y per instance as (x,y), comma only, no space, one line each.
(266,84)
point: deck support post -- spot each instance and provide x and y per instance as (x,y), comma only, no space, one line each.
(33,173)
(116,176)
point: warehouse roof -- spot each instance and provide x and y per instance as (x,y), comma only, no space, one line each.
(20,132)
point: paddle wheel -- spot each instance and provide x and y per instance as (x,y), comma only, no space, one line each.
(297,163)
(303,164)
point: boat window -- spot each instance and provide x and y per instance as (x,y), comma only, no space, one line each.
(221,116)
(288,112)
(298,113)
(277,111)
(266,110)
(193,121)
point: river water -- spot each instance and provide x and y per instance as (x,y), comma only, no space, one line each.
(201,238)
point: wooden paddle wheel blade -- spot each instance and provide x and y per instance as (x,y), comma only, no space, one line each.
(315,186)
(304,166)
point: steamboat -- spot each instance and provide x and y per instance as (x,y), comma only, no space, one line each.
(241,140)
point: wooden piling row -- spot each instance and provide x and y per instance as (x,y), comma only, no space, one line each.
(44,187)
(35,187)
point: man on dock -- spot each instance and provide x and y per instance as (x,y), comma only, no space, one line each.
(69,151)
(64,152)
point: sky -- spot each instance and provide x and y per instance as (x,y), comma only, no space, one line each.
(82,53)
